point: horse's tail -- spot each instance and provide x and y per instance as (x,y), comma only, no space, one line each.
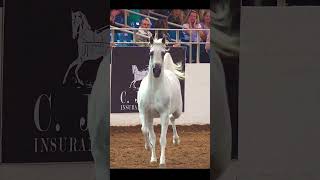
(175,68)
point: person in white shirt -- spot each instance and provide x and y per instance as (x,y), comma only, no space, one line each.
(145,23)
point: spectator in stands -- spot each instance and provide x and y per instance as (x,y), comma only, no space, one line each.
(204,49)
(176,16)
(205,24)
(145,23)
(113,15)
(201,12)
(118,16)
(192,22)
(186,12)
(163,23)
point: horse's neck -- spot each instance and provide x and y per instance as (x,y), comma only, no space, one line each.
(86,34)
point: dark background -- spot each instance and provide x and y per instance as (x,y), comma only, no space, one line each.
(38,48)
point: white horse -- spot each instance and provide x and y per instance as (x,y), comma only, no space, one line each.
(137,75)
(159,95)
(86,38)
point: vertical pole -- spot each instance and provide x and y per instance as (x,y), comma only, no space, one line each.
(125,17)
(190,47)
(177,36)
(198,47)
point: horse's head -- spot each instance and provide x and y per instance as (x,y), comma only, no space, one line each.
(79,23)
(157,51)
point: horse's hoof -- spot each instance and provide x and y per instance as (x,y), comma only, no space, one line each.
(162,165)
(146,147)
(80,82)
(153,160)
(176,141)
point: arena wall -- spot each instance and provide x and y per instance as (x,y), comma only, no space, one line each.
(197,100)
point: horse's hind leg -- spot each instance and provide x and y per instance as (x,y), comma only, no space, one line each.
(77,71)
(176,138)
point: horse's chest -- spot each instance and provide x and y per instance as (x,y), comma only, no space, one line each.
(158,104)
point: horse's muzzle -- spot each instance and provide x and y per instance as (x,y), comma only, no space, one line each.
(156,70)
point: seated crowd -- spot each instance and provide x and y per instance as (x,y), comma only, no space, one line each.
(166,19)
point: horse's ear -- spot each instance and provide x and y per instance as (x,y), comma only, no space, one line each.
(163,39)
(151,40)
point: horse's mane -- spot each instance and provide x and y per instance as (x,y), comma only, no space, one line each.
(225,27)
(84,23)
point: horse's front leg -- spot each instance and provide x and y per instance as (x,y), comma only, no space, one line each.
(164,118)
(132,83)
(77,71)
(75,62)
(145,132)
(152,138)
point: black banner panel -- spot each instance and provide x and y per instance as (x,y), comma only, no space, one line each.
(51,56)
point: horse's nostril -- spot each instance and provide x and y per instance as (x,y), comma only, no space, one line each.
(157,70)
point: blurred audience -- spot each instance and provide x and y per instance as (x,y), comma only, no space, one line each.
(176,16)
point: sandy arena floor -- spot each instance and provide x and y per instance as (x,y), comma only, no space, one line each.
(127,148)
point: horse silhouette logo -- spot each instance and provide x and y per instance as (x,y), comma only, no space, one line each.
(92,44)
(138,75)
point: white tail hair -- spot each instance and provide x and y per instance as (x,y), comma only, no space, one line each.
(175,68)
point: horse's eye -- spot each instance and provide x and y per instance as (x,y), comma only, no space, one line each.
(162,54)
(151,53)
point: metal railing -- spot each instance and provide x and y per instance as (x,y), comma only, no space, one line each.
(157,14)
(146,16)
(177,41)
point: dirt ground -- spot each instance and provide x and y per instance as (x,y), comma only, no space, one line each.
(127,148)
